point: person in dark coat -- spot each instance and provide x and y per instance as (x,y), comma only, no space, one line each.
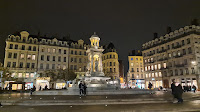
(173,87)
(31,91)
(84,89)
(81,88)
(194,88)
(40,88)
(46,87)
(178,93)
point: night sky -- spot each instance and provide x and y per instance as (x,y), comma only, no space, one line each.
(126,23)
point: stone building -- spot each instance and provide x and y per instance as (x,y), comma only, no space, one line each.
(175,55)
(110,61)
(136,78)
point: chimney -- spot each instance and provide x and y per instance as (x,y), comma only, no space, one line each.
(169,29)
(155,35)
(195,22)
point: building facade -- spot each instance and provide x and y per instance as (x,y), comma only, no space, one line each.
(174,56)
(135,77)
(110,61)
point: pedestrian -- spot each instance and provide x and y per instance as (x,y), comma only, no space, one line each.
(85,89)
(178,93)
(31,91)
(46,87)
(34,88)
(1,105)
(40,88)
(150,86)
(173,87)
(81,88)
(194,88)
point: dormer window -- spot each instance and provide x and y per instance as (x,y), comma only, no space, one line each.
(30,40)
(24,39)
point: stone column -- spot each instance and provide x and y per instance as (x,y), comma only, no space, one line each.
(100,62)
(92,60)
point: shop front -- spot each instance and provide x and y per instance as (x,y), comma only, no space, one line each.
(28,85)
(60,85)
(42,82)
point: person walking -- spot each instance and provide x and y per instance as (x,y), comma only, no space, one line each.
(84,89)
(173,87)
(194,88)
(150,86)
(179,93)
(31,91)
(40,88)
(81,88)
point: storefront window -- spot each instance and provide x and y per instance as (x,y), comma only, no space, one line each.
(27,75)
(20,75)
(32,75)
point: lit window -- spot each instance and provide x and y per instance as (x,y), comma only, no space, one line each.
(149,75)
(32,75)
(136,58)
(22,56)
(42,49)
(20,75)
(27,75)
(145,61)
(155,67)
(164,65)
(156,74)
(131,64)
(152,74)
(151,67)
(33,57)
(146,75)
(145,68)
(49,50)
(64,67)
(159,66)
(13,75)
(160,74)
(54,50)
(29,56)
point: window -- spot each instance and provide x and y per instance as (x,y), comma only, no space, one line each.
(160,74)
(145,68)
(47,66)
(65,52)
(33,65)
(131,64)
(132,69)
(33,57)
(168,46)
(34,48)
(29,48)
(80,60)
(72,60)
(11,46)
(110,69)
(16,46)
(42,57)
(54,58)
(164,65)
(183,43)
(15,56)
(54,50)
(141,75)
(188,41)
(59,58)
(22,56)
(113,56)
(132,75)
(71,67)
(23,47)
(186,71)
(21,65)
(137,69)
(28,65)
(75,60)
(80,53)
(48,50)
(20,75)
(75,67)
(42,49)
(9,64)
(114,64)
(189,50)
(14,64)
(27,75)
(24,39)
(65,59)
(72,52)
(193,71)
(9,55)
(152,68)
(149,75)
(152,75)
(185,61)
(136,58)
(155,67)
(156,74)
(176,72)
(169,54)
(159,66)
(29,56)
(64,67)
(181,72)
(75,53)
(59,51)
(184,51)
(53,66)
(32,75)
(85,53)
(110,63)
(131,58)
(146,75)
(41,66)
(48,58)
(110,56)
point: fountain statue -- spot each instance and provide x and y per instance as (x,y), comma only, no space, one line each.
(94,76)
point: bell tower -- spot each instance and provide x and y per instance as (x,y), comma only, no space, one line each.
(94,39)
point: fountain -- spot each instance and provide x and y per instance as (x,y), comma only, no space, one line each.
(94,76)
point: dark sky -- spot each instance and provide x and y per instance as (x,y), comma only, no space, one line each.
(126,23)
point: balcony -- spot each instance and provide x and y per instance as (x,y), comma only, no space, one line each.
(178,46)
(179,65)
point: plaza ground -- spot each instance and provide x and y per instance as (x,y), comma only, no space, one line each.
(161,101)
